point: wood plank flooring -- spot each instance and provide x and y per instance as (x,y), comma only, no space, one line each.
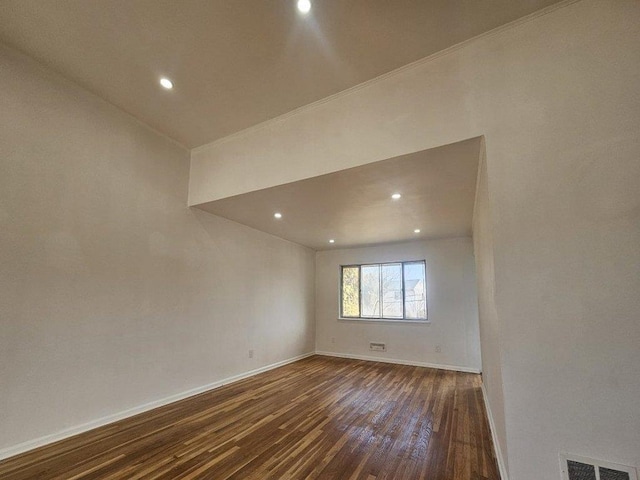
(318,418)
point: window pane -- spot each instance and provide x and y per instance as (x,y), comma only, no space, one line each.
(350,291)
(371,291)
(392,290)
(415,301)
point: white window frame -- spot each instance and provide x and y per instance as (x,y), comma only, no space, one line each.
(341,315)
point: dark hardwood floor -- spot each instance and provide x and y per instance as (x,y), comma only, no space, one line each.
(318,418)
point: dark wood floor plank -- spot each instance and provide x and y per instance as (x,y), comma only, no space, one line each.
(319,418)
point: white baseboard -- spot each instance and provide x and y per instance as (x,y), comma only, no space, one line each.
(77,429)
(496,445)
(400,362)
(69,432)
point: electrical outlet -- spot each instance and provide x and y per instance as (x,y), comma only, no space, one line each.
(250,353)
(438,349)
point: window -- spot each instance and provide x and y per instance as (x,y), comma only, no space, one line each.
(390,291)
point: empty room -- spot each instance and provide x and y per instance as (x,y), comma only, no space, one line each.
(320,239)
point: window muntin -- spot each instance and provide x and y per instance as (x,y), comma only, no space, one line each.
(384,291)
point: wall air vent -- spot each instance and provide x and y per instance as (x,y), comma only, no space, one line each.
(581,468)
(378,347)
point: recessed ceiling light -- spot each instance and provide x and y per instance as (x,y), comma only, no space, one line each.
(166,83)
(396,196)
(277,215)
(332,241)
(304,6)
(417,230)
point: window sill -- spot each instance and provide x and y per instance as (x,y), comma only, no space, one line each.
(383,320)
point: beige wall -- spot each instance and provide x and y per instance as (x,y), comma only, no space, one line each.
(114,293)
(558,100)
(490,328)
(452,305)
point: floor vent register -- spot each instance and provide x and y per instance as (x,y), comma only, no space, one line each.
(581,468)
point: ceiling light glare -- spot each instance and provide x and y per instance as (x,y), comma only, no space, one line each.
(417,230)
(277,215)
(396,196)
(332,241)
(304,6)
(166,83)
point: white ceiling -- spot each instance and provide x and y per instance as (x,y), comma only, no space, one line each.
(354,206)
(236,63)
